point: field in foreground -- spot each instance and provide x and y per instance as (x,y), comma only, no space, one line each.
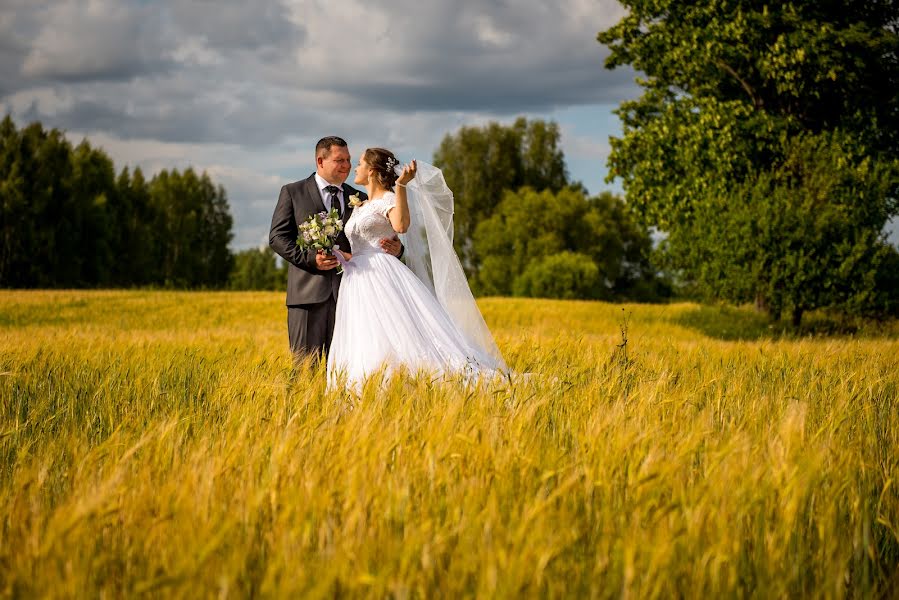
(162,444)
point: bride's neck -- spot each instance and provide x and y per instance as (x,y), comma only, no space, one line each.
(375,190)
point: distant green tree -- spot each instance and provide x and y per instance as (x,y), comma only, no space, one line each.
(16,226)
(137,262)
(481,163)
(41,222)
(736,97)
(257,269)
(93,190)
(565,275)
(593,244)
(194,225)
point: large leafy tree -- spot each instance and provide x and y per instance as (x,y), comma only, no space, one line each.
(481,163)
(737,97)
(805,234)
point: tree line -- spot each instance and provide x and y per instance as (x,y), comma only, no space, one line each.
(67,219)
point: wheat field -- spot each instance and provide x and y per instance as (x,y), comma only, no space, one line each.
(162,444)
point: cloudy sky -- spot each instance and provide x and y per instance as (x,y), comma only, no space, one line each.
(243,90)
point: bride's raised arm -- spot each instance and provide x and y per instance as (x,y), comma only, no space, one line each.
(399,214)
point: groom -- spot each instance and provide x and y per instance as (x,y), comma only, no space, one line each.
(312,282)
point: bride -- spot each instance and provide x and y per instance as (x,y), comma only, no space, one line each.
(422,316)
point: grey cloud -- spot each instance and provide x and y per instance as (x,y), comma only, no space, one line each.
(498,92)
(175,115)
(497,57)
(17,29)
(102,41)
(236,24)
(113,40)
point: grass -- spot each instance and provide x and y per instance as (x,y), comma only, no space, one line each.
(162,444)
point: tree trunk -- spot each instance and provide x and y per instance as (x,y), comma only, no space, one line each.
(797,316)
(761,304)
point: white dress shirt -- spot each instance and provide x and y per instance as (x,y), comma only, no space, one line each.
(326,196)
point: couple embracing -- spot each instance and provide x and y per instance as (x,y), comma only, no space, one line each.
(378,311)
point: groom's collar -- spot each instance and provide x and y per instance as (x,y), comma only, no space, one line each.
(322,183)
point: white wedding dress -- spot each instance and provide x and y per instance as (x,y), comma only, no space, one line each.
(387,317)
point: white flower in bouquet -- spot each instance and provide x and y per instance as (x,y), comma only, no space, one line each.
(320,231)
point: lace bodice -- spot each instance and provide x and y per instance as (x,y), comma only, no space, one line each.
(369,223)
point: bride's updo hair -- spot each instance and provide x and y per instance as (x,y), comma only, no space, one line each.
(382,162)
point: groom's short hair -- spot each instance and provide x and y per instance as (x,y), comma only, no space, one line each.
(323,147)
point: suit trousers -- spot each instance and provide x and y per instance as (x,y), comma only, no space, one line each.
(310,327)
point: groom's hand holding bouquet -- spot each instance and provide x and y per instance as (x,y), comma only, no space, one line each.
(320,232)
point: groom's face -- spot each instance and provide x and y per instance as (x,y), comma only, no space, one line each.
(334,165)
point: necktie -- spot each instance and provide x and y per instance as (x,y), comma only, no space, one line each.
(335,200)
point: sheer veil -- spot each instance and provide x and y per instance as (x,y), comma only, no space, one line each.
(430,255)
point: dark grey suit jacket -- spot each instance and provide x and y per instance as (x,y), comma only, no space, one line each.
(306,284)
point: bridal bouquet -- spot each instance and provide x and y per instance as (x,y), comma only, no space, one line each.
(320,231)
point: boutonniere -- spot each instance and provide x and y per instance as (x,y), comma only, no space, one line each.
(355,201)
